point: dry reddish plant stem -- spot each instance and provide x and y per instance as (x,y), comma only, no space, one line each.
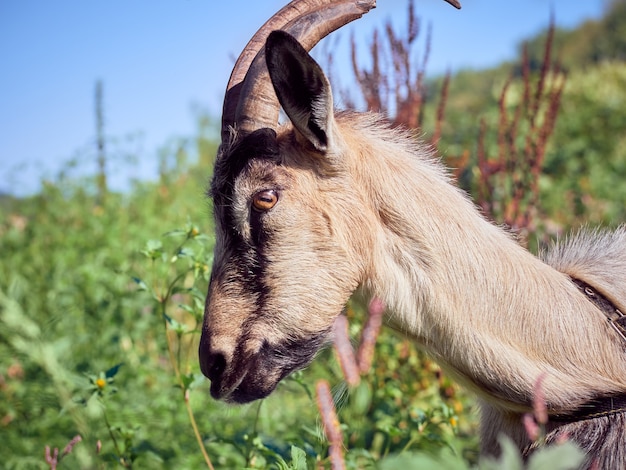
(535,423)
(530,425)
(351,371)
(52,458)
(540,410)
(369,336)
(508,185)
(345,352)
(331,424)
(393,85)
(441,109)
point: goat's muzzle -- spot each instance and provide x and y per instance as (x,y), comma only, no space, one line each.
(249,376)
(227,381)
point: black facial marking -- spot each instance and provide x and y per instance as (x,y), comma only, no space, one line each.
(246,263)
(284,358)
(260,144)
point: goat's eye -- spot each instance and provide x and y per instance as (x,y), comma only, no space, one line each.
(264,200)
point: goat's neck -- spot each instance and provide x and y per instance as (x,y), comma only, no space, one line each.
(494,315)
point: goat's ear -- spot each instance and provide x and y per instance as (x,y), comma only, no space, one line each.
(302,88)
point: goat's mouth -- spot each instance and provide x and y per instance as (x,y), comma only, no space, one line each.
(253,384)
(254,377)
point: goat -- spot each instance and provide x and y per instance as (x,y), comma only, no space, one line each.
(309,211)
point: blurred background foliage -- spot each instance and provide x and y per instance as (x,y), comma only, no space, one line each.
(101,292)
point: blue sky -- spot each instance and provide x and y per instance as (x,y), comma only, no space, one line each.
(160,59)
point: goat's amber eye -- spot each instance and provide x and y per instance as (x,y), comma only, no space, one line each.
(264,200)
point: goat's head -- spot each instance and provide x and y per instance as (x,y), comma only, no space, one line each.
(286,257)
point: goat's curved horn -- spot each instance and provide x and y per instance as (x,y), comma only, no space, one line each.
(250,102)
(233,89)
(455,3)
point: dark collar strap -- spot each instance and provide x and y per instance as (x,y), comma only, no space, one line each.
(596,408)
(616,318)
(601,406)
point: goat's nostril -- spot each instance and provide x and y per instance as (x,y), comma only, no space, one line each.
(213,365)
(217,367)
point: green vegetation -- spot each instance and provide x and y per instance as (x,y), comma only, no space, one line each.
(585,161)
(101,295)
(585,164)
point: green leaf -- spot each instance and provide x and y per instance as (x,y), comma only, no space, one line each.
(445,460)
(140,284)
(113,371)
(298,458)
(509,459)
(186,252)
(189,381)
(153,249)
(179,289)
(153,245)
(175,233)
(362,397)
(175,325)
(186,308)
(565,456)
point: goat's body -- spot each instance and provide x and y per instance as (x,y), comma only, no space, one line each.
(308,212)
(492,314)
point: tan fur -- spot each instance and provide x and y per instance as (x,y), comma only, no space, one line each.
(494,315)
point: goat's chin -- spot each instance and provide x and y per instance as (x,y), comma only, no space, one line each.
(255,377)
(246,392)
